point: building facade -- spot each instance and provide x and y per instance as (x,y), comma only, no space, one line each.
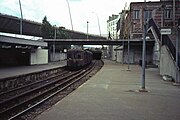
(111,26)
(112,34)
(165,13)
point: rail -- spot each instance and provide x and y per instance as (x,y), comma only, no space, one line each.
(15,106)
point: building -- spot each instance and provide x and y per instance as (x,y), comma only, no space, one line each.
(165,15)
(164,12)
(112,33)
(127,26)
(112,25)
(157,15)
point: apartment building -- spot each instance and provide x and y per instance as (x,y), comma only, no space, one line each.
(112,25)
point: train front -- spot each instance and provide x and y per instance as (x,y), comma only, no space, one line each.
(75,59)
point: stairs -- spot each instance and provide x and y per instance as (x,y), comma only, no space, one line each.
(167,40)
(167,54)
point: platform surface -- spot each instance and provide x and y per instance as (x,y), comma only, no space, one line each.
(112,94)
(19,70)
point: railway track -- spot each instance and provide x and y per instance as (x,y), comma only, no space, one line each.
(16,102)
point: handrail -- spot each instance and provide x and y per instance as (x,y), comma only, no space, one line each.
(153,24)
(165,41)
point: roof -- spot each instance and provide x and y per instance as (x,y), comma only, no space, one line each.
(22,41)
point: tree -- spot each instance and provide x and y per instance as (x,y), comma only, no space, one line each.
(48,32)
(46,29)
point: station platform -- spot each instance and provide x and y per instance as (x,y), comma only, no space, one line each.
(19,70)
(113,94)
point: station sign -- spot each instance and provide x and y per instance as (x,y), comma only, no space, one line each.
(165,31)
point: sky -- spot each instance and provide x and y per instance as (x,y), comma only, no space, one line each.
(57,12)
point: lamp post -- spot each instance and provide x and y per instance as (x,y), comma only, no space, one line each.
(21,17)
(129,32)
(177,82)
(177,56)
(70,14)
(98,23)
(54,44)
(174,14)
(143,89)
(87,28)
(99,28)
(128,52)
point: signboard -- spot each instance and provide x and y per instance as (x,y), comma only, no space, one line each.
(165,31)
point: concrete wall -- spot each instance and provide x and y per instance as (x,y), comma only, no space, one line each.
(114,53)
(167,64)
(9,83)
(120,56)
(156,55)
(39,56)
(132,56)
(57,57)
(135,54)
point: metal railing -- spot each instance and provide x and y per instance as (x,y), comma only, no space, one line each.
(153,24)
(165,41)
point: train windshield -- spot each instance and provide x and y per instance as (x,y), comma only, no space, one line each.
(78,56)
(75,55)
(70,55)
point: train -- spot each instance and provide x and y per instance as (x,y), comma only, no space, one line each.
(77,59)
(96,54)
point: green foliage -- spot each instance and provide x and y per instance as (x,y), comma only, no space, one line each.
(48,31)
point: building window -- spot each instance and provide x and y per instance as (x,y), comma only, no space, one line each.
(148,14)
(136,14)
(168,14)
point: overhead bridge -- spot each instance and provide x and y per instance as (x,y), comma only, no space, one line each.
(96,41)
(11,24)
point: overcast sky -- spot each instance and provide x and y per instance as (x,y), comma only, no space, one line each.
(57,12)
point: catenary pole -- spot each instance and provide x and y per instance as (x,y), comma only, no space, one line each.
(144,52)
(21,26)
(54,43)
(177,55)
(87,29)
(98,22)
(70,14)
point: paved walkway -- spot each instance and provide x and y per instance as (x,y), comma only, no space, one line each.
(19,70)
(112,94)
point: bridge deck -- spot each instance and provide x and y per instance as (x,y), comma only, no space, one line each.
(96,41)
